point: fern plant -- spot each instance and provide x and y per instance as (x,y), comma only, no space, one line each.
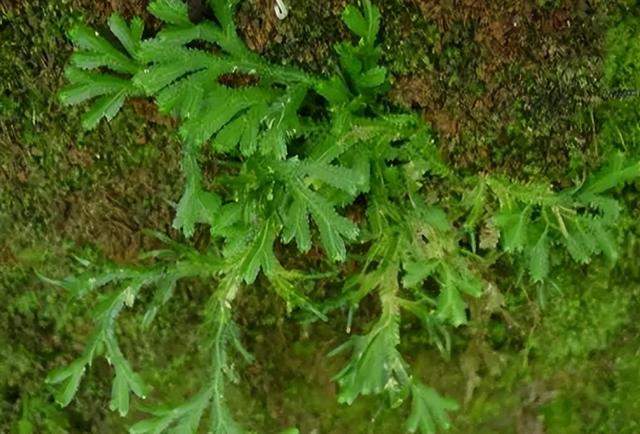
(295,175)
(532,218)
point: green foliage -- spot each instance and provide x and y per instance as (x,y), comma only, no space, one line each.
(103,340)
(300,159)
(532,218)
(360,62)
(223,336)
(428,410)
(377,367)
(619,114)
(93,52)
(422,240)
(431,252)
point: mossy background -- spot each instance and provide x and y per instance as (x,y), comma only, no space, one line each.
(520,87)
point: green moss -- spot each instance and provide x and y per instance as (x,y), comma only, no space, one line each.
(48,163)
(619,116)
(584,321)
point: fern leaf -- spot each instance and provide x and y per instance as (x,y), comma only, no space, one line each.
(248,141)
(539,258)
(617,172)
(156,425)
(474,200)
(104,108)
(190,422)
(355,21)
(104,315)
(224,335)
(222,422)
(513,224)
(260,254)
(373,77)
(81,285)
(350,61)
(99,52)
(332,226)
(451,307)
(608,207)
(417,272)
(196,206)
(360,62)
(66,395)
(455,278)
(223,10)
(428,410)
(434,217)
(579,242)
(231,135)
(124,383)
(186,418)
(421,156)
(174,38)
(171,11)
(185,97)
(294,298)
(86,86)
(120,395)
(230,214)
(339,177)
(243,132)
(376,365)
(96,52)
(129,36)
(188,413)
(131,381)
(335,91)
(364,25)
(71,376)
(605,241)
(218,110)
(156,77)
(296,226)
(236,238)
(281,121)
(162,295)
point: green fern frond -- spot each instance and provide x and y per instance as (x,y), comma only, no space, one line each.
(532,218)
(513,224)
(126,381)
(361,77)
(259,254)
(174,12)
(105,314)
(332,226)
(183,418)
(376,366)
(429,410)
(94,52)
(432,252)
(616,172)
(539,258)
(129,282)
